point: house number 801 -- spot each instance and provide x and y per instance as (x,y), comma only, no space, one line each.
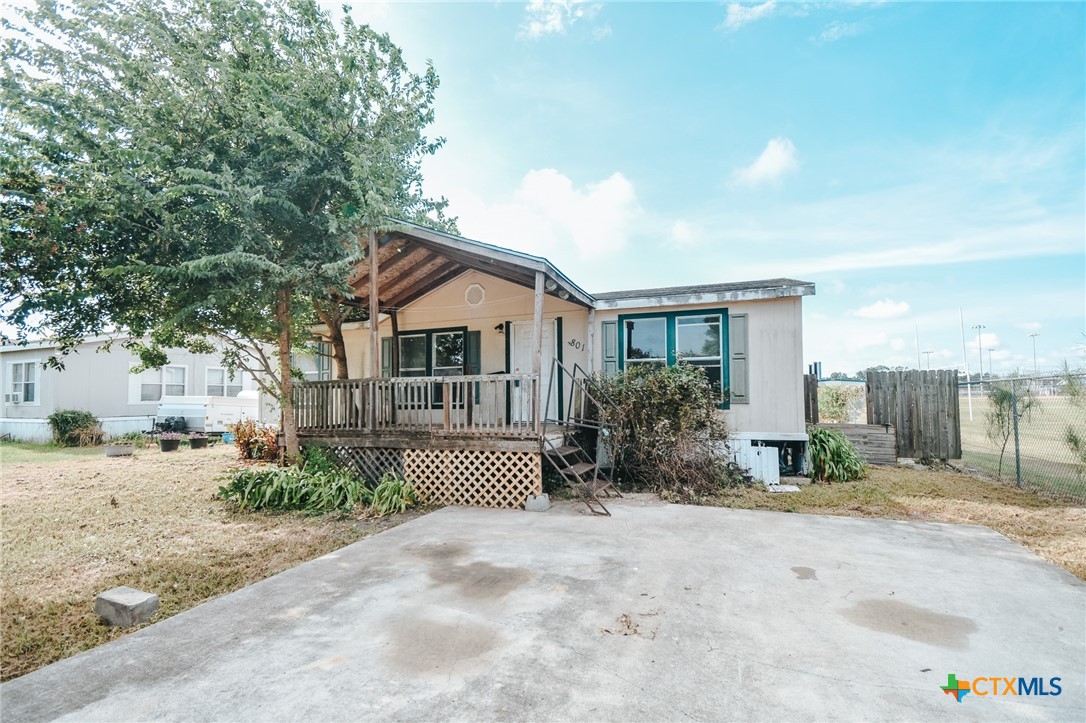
(576,344)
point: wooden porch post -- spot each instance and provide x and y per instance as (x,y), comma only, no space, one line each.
(537,349)
(591,341)
(375,339)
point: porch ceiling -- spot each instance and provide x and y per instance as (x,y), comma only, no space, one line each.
(414,262)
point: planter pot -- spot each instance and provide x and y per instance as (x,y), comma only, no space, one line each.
(168,445)
(198,443)
(119,450)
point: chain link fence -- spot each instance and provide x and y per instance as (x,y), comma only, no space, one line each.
(1028,431)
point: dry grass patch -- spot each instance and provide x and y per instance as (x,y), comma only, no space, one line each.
(1054,530)
(75,526)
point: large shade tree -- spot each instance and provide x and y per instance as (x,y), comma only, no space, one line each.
(200,172)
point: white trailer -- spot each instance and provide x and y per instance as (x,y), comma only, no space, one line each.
(210,415)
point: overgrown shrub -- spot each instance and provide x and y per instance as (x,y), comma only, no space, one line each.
(75,428)
(393,495)
(293,488)
(833,457)
(666,433)
(836,401)
(255,440)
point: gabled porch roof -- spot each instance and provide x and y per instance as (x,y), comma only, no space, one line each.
(413,260)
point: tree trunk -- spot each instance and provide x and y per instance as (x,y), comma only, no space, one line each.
(339,351)
(333,319)
(286,381)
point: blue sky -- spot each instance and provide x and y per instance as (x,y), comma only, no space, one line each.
(910,158)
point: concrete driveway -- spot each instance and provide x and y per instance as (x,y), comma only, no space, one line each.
(661,612)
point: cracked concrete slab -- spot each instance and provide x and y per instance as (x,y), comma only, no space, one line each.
(661,612)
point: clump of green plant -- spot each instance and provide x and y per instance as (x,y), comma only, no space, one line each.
(136,439)
(1075,438)
(75,428)
(833,457)
(1002,402)
(255,440)
(393,495)
(666,433)
(294,488)
(835,401)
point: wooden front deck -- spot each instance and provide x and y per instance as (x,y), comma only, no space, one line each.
(495,411)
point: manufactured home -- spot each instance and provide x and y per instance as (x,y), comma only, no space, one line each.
(97,378)
(482,357)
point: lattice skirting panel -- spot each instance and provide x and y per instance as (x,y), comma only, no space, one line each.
(454,476)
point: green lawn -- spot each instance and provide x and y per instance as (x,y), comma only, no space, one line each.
(28,452)
(1048,463)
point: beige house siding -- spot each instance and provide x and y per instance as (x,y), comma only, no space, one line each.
(775,352)
(775,342)
(503,302)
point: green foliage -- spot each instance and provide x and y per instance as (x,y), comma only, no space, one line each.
(1075,438)
(393,495)
(255,440)
(666,432)
(836,400)
(199,169)
(999,419)
(292,488)
(75,428)
(833,457)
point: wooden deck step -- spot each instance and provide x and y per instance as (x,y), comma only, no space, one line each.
(563,451)
(582,468)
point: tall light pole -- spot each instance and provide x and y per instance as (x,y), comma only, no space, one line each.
(927,357)
(1034,336)
(990,372)
(980,350)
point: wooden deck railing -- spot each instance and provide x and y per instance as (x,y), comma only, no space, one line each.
(494,405)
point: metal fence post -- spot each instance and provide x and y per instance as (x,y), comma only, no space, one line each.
(1017,445)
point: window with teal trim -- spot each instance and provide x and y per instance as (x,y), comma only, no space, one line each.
(699,338)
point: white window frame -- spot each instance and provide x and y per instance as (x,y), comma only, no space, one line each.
(13,397)
(141,382)
(238,377)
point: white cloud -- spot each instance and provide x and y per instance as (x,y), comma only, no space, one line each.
(777,160)
(599,33)
(1030,326)
(837,30)
(740,14)
(549,215)
(987,340)
(897,344)
(835,286)
(884,309)
(555,17)
(864,339)
(684,234)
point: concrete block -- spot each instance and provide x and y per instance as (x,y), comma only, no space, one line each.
(124,606)
(537,503)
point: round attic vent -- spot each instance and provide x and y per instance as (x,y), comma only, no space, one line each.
(474,294)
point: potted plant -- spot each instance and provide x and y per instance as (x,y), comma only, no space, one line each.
(197,440)
(169,441)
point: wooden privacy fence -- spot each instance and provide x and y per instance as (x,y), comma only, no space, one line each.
(810,398)
(876,443)
(498,405)
(922,406)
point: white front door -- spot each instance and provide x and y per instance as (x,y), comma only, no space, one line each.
(522,346)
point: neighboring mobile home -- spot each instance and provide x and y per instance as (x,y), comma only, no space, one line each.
(97,379)
(480,352)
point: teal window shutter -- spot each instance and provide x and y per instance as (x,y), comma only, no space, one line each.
(610,347)
(740,364)
(472,353)
(386,356)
